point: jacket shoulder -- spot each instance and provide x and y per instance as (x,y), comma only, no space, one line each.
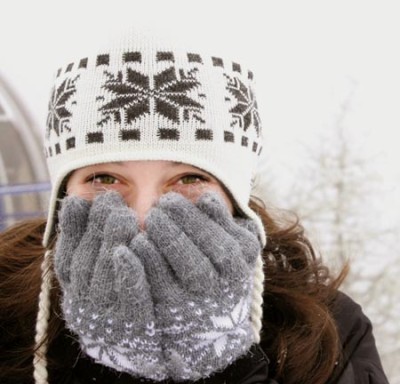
(361,363)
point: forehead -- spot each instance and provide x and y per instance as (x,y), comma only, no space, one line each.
(164,162)
(138,164)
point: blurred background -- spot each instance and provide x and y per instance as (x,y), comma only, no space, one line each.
(328,89)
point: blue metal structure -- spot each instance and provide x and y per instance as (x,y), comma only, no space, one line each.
(24,185)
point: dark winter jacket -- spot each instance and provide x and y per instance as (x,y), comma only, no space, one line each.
(361,363)
(361,359)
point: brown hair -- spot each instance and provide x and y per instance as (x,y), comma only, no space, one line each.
(21,256)
(299,333)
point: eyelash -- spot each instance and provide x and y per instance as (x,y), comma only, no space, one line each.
(201,178)
(91,179)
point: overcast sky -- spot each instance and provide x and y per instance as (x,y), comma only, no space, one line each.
(307,56)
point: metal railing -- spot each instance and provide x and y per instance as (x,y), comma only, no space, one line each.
(8,213)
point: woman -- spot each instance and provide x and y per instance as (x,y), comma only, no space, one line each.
(152,262)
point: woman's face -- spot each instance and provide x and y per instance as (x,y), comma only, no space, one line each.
(142,182)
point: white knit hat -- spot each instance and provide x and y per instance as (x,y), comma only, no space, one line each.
(144,99)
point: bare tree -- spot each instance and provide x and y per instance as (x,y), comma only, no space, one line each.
(337,195)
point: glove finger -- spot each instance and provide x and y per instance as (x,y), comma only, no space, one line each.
(101,292)
(132,287)
(130,275)
(191,266)
(159,274)
(244,230)
(119,285)
(215,207)
(72,223)
(102,206)
(220,248)
(120,228)
(87,252)
(73,216)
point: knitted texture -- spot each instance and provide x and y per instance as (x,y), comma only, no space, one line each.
(172,301)
(200,263)
(141,98)
(107,300)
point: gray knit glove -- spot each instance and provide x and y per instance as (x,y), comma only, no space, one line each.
(106,295)
(200,262)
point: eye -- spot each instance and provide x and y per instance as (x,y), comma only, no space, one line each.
(103,179)
(192,179)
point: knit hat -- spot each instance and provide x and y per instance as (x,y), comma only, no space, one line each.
(142,98)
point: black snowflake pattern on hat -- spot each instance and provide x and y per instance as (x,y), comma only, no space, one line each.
(245,111)
(59,115)
(133,95)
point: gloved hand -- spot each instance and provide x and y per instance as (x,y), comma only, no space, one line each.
(199,261)
(106,295)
